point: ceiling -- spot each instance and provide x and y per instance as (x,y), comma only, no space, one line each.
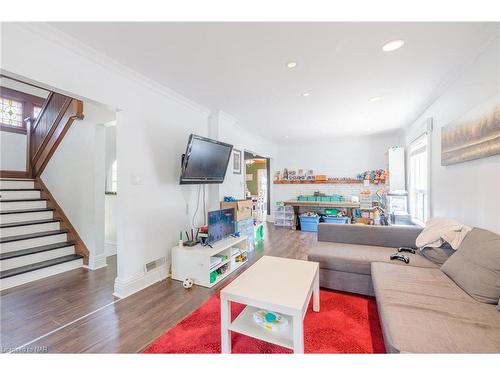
(241,68)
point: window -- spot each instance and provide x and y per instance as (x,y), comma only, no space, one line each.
(419,179)
(114,176)
(11,112)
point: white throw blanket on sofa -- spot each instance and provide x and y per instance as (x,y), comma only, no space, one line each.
(438,230)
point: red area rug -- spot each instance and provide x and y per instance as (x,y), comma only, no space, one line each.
(346,323)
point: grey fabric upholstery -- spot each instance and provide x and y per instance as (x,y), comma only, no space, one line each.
(423,311)
(437,255)
(373,235)
(357,258)
(346,281)
(475,266)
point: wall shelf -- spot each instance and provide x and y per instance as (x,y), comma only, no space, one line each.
(332,182)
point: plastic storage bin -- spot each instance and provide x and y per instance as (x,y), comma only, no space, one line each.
(309,223)
(335,220)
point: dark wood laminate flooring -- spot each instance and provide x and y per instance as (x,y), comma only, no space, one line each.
(131,324)
(37,308)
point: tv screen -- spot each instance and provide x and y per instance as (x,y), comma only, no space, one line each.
(205,161)
(220,224)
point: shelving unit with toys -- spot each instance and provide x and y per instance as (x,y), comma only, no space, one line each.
(208,266)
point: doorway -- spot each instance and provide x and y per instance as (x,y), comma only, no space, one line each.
(257,184)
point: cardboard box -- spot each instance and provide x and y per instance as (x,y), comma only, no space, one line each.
(242,209)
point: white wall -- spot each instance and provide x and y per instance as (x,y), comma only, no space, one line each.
(109,199)
(110,151)
(110,224)
(75,177)
(345,157)
(468,192)
(242,139)
(13,151)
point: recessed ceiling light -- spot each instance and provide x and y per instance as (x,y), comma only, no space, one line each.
(306,94)
(286,136)
(375,99)
(291,64)
(393,45)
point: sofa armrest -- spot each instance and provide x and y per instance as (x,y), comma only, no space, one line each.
(375,235)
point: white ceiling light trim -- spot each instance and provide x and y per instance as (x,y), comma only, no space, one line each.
(291,64)
(375,99)
(393,45)
(306,94)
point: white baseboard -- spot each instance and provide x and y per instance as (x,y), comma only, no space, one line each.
(125,288)
(96,262)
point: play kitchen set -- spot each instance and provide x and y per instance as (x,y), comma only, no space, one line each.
(212,252)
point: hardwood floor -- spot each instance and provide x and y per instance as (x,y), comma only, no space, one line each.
(37,308)
(129,325)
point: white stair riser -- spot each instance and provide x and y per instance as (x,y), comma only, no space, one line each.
(19,184)
(21,194)
(4,206)
(32,242)
(25,216)
(8,264)
(27,229)
(27,277)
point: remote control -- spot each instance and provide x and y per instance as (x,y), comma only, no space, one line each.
(406,249)
(400,257)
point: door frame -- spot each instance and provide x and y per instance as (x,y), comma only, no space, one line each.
(247,154)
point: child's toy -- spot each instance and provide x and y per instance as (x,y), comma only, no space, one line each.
(241,258)
(187,283)
(229,199)
(270,321)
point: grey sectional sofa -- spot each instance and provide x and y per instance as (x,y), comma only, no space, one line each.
(421,309)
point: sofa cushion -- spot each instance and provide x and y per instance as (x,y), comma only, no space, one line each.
(371,235)
(437,255)
(357,258)
(423,311)
(475,266)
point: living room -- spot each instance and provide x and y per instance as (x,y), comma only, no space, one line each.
(250,187)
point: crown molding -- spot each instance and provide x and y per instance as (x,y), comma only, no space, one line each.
(83,50)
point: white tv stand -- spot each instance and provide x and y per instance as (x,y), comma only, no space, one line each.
(194,262)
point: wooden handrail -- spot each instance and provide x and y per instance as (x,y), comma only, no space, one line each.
(42,110)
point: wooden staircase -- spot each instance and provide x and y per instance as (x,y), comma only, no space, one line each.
(37,239)
(34,240)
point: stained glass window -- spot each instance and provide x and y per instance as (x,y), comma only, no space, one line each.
(11,112)
(36,111)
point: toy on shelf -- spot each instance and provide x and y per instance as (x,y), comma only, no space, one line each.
(229,199)
(376,175)
(309,214)
(270,321)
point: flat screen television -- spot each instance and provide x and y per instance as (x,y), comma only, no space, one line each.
(220,224)
(205,161)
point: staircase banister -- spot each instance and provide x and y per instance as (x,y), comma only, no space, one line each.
(42,111)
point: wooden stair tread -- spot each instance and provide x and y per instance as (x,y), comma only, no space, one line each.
(25,211)
(35,250)
(23,200)
(20,189)
(39,265)
(18,179)
(31,222)
(32,235)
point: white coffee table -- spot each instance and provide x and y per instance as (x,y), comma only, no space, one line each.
(281,285)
